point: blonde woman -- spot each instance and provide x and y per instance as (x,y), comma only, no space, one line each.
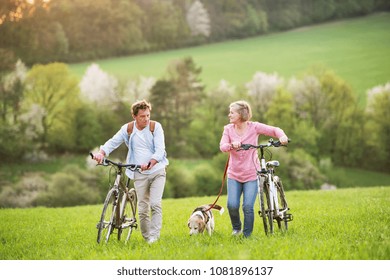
(242,178)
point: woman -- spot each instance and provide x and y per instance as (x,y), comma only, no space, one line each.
(242,178)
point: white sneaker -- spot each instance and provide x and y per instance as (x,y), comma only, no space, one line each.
(152,240)
(236,232)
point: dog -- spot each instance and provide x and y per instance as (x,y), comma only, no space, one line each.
(202,218)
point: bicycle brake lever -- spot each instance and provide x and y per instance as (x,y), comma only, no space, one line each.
(244,147)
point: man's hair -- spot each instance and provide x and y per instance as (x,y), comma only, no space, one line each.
(243,109)
(140,105)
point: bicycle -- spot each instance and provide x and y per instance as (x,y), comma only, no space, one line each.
(120,205)
(272,199)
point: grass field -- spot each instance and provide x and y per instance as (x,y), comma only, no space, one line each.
(346,224)
(357,50)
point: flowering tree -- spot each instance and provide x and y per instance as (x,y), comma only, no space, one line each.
(198,19)
(262,89)
(99,88)
(138,89)
(377,128)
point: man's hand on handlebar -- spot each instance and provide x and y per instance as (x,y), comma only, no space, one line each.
(99,157)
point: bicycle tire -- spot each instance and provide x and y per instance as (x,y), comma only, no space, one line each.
(105,226)
(282,222)
(265,213)
(128,214)
(270,214)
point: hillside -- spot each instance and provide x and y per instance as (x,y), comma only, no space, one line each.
(357,50)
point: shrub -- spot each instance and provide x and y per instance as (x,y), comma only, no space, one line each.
(180,182)
(67,190)
(24,192)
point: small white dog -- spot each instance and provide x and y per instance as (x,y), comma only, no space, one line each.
(202,219)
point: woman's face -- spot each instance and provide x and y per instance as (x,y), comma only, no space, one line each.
(234,116)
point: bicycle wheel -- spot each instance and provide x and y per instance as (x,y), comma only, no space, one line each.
(283,207)
(128,214)
(106,224)
(265,213)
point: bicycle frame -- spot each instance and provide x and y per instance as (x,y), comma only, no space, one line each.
(270,186)
(267,173)
(115,214)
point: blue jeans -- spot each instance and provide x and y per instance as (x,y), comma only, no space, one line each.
(249,191)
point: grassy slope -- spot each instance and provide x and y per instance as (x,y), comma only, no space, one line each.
(358,50)
(328,225)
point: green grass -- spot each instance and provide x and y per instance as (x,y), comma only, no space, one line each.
(346,224)
(357,50)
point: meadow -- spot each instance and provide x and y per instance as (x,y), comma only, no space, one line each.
(357,50)
(345,224)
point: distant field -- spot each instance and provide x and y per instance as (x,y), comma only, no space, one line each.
(357,50)
(345,224)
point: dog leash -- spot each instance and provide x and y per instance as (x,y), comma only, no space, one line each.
(222,184)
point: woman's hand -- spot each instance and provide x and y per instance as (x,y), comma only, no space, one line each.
(283,140)
(236,145)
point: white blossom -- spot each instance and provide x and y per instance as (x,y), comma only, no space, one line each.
(138,89)
(375,91)
(263,88)
(226,88)
(18,75)
(98,87)
(33,121)
(198,19)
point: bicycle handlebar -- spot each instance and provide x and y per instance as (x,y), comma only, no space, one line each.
(270,143)
(106,162)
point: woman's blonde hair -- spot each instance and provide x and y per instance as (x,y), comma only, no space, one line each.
(243,109)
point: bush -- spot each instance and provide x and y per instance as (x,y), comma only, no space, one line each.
(67,190)
(24,193)
(207,180)
(180,182)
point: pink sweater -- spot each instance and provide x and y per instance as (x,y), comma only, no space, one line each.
(243,164)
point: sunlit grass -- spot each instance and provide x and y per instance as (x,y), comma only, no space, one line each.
(328,225)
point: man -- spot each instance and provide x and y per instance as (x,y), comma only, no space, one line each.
(146,147)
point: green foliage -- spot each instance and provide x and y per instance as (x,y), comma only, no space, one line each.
(69,188)
(54,89)
(88,128)
(377,129)
(322,229)
(175,101)
(180,181)
(298,169)
(12,142)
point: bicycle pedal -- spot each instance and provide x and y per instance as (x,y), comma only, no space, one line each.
(288,217)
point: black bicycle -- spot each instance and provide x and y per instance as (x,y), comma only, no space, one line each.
(120,205)
(272,199)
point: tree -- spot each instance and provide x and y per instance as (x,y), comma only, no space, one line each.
(262,89)
(54,89)
(198,19)
(175,99)
(210,117)
(99,88)
(377,127)
(11,92)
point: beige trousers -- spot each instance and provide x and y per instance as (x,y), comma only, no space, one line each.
(150,189)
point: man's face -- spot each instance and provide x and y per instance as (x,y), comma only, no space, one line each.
(142,118)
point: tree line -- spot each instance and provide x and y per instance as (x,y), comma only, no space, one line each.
(45,110)
(44,31)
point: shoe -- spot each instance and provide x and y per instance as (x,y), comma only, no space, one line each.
(152,240)
(236,232)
